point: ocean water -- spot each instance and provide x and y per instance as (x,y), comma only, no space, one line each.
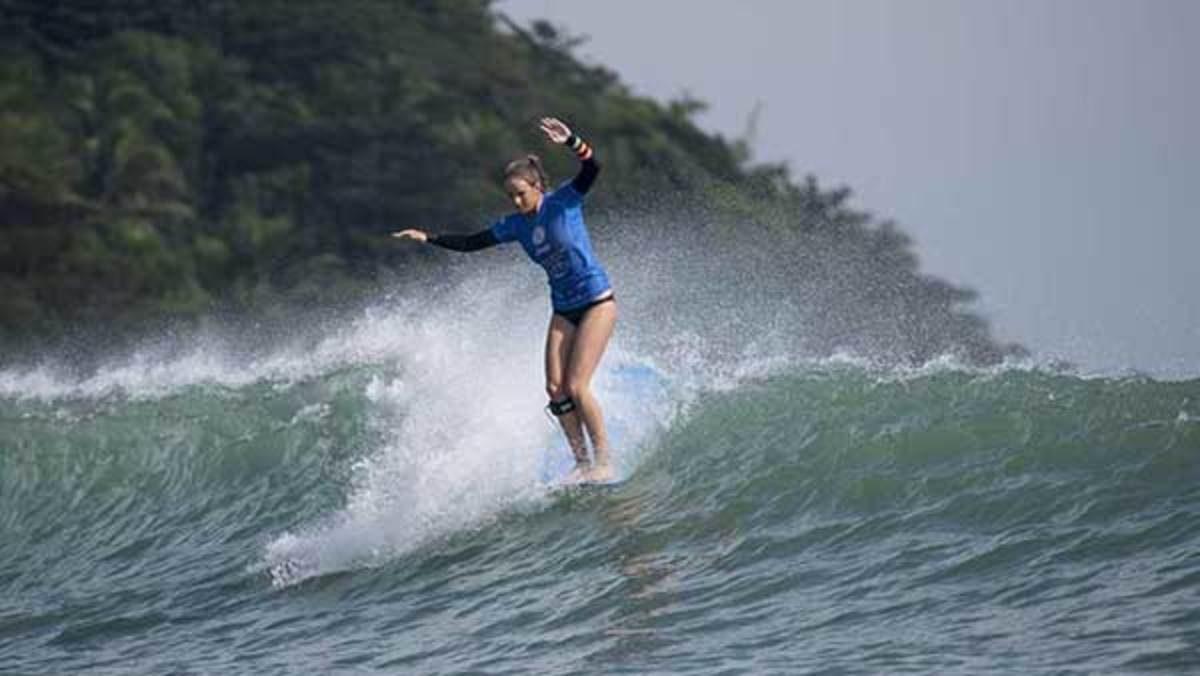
(373,498)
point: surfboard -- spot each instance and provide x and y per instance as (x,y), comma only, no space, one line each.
(637,387)
(561,488)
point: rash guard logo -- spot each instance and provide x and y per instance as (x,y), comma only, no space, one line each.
(539,235)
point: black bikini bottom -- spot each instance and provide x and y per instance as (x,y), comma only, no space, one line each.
(576,316)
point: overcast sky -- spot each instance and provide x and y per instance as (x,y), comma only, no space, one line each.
(1043,152)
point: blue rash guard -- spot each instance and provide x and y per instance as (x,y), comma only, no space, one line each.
(554,238)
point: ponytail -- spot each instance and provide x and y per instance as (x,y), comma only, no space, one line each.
(530,169)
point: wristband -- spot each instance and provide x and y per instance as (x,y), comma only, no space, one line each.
(581,148)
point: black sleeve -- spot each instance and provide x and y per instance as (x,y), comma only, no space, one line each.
(588,171)
(480,240)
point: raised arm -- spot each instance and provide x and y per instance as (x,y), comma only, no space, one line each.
(589,168)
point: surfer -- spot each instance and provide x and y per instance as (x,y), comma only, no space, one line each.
(549,225)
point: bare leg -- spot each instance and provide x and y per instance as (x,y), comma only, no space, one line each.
(559,339)
(590,341)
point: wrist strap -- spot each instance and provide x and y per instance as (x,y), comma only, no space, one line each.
(581,147)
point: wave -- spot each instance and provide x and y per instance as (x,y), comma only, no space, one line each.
(416,424)
(391,456)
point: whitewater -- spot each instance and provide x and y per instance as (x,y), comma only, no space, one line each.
(371,495)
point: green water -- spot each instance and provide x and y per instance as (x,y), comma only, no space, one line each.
(815,516)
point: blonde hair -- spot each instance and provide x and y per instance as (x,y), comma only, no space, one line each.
(528,168)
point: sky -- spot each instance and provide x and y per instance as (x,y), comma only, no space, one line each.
(1043,153)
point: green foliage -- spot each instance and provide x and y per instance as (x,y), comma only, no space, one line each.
(167,159)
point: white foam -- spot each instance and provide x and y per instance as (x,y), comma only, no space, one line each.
(464,435)
(381,334)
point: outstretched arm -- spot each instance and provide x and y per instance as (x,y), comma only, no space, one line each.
(558,132)
(480,240)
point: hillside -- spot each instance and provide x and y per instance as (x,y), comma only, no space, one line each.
(169,160)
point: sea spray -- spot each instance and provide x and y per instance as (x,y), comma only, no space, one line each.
(461,432)
(464,438)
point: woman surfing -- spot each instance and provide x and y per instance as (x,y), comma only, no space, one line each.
(549,225)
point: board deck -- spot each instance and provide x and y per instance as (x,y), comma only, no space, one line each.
(636,383)
(582,487)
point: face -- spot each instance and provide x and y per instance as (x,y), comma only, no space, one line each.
(525,195)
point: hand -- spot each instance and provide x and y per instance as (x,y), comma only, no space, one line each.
(418,235)
(555,130)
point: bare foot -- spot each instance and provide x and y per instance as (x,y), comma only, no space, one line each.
(599,473)
(580,473)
